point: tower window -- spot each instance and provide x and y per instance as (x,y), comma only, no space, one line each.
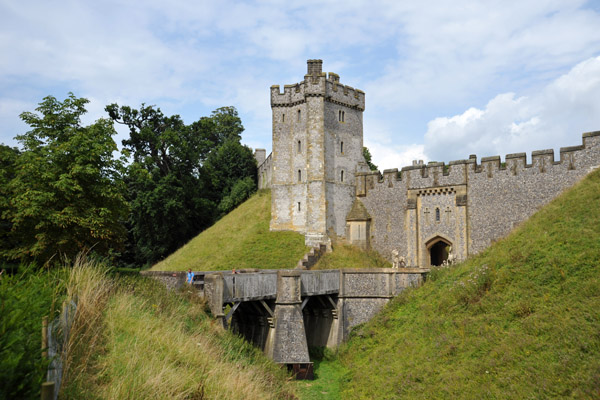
(437,214)
(282,117)
(341,115)
(299,114)
(299,206)
(299,175)
(342,176)
(299,146)
(342,147)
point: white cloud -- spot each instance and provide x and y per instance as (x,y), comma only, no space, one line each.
(553,118)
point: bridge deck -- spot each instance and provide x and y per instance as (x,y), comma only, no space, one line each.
(263,284)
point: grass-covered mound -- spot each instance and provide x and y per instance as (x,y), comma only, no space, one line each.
(346,256)
(521,320)
(239,240)
(131,339)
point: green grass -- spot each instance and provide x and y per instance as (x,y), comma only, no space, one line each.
(239,240)
(521,320)
(346,256)
(328,373)
(132,339)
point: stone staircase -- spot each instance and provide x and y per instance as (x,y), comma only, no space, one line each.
(312,257)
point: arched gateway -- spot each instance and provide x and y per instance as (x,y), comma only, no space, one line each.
(438,250)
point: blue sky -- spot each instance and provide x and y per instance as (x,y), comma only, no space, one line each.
(443,80)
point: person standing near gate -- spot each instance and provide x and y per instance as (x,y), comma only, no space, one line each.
(190,276)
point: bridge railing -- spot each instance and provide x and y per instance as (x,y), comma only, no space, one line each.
(320,282)
(250,286)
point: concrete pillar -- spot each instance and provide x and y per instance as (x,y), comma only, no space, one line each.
(213,291)
(286,342)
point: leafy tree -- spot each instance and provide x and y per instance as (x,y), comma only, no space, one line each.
(8,160)
(367,156)
(180,175)
(65,193)
(228,164)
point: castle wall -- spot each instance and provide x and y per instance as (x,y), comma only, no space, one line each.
(386,201)
(265,172)
(501,197)
(478,203)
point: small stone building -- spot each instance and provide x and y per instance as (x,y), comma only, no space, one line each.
(322,187)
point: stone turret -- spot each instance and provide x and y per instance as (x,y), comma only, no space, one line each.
(317,149)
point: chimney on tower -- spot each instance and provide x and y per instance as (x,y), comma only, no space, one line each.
(315,67)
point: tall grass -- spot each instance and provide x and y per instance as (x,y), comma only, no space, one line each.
(138,341)
(89,287)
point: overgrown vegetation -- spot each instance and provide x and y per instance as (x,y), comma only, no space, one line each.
(518,321)
(239,240)
(136,340)
(24,299)
(346,256)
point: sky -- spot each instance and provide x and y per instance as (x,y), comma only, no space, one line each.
(443,80)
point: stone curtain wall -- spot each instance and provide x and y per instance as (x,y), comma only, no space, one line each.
(265,172)
(501,197)
(478,203)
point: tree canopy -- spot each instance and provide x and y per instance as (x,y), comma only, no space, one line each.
(64,190)
(180,175)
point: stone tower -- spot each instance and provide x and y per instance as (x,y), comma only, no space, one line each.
(317,149)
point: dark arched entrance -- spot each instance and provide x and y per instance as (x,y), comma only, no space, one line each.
(438,252)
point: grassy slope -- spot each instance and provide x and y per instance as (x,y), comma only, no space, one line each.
(345,256)
(521,320)
(240,240)
(134,340)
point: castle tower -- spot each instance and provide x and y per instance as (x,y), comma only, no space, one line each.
(317,149)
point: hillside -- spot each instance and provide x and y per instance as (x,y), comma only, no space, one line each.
(347,256)
(239,240)
(520,320)
(132,339)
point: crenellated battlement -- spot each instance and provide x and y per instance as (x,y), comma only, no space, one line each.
(457,172)
(317,83)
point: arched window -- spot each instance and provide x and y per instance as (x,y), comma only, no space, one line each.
(282,117)
(299,146)
(437,214)
(342,176)
(299,206)
(299,176)
(341,115)
(299,114)
(342,147)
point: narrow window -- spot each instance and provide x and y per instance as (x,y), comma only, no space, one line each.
(342,147)
(299,207)
(342,176)
(437,214)
(282,117)
(340,115)
(299,146)
(343,116)
(299,176)
(299,113)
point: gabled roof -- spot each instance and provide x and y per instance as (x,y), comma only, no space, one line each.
(358,212)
